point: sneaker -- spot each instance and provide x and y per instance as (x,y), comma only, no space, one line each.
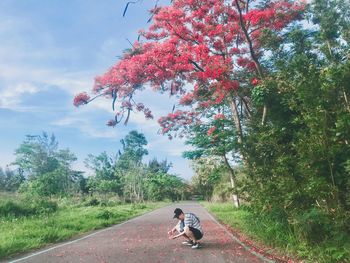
(188,243)
(196,245)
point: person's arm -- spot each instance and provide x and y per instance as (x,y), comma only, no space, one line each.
(175,228)
(172,231)
(178,235)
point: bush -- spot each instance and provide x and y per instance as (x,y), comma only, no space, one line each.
(10,208)
(104,214)
(138,206)
(110,203)
(103,202)
(22,208)
(312,226)
(92,202)
(43,206)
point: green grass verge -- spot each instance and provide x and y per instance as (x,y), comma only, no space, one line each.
(23,234)
(279,235)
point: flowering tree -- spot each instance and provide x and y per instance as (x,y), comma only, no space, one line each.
(214,140)
(206,52)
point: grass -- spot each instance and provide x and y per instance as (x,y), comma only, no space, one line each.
(277,234)
(22,234)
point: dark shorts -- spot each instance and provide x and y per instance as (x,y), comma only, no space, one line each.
(196,232)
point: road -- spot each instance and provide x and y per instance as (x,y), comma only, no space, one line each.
(144,239)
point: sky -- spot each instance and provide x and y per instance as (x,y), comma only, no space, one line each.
(51,51)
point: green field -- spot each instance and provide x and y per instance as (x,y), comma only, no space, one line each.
(24,233)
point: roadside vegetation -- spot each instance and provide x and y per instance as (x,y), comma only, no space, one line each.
(43,200)
(31,224)
(288,178)
(279,238)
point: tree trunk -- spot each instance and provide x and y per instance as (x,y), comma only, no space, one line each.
(236,120)
(264,115)
(346,100)
(235,198)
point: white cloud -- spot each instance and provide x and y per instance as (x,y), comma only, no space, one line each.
(138,118)
(11,97)
(174,147)
(95,133)
(67,121)
(87,128)
(16,83)
(29,54)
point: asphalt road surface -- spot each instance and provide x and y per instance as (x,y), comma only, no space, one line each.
(144,239)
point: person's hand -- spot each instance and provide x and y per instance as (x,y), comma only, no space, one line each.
(172,237)
(170,233)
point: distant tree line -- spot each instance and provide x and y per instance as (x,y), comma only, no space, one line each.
(42,169)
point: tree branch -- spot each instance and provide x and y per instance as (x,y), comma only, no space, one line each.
(252,54)
(196,65)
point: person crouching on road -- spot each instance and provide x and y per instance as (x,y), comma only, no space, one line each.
(188,226)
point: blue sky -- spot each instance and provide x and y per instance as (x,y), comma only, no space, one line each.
(52,50)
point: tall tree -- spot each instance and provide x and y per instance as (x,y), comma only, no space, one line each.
(162,185)
(129,165)
(156,166)
(207,174)
(103,165)
(133,149)
(215,139)
(297,163)
(106,179)
(37,155)
(205,52)
(47,168)
(10,180)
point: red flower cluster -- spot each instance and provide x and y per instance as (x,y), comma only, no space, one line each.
(177,120)
(81,98)
(219,116)
(195,49)
(255,81)
(187,99)
(210,131)
(127,105)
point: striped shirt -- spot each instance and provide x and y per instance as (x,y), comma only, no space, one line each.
(192,220)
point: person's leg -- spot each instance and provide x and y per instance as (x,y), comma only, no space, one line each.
(195,235)
(190,234)
(178,228)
